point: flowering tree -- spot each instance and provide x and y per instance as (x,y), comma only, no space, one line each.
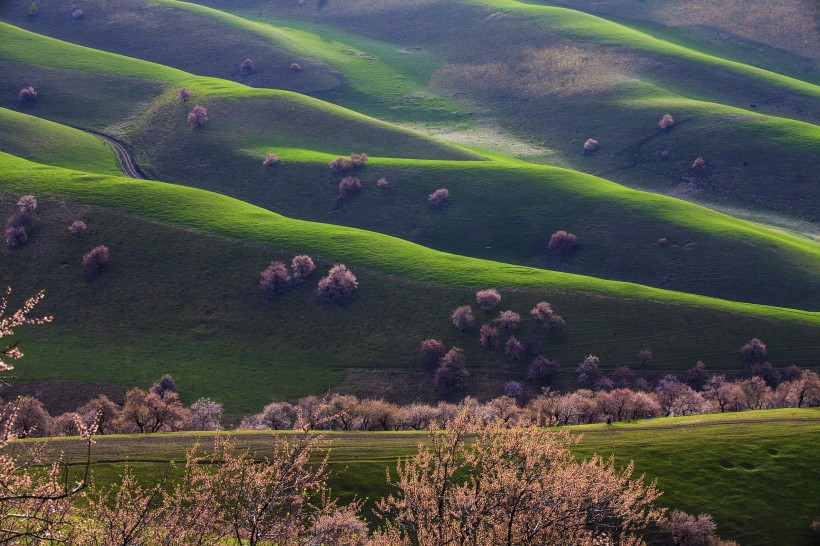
(753,351)
(184,94)
(348,186)
(343,164)
(16,236)
(274,279)
(9,323)
(518,485)
(563,242)
(27,204)
(198,116)
(543,314)
(488,336)
(205,415)
(270,160)
(463,317)
(666,122)
(246,68)
(382,183)
(487,299)
(77,14)
(509,320)
(452,372)
(431,350)
(77,227)
(699,165)
(27,95)
(295,67)
(543,369)
(590,145)
(338,285)
(588,370)
(514,349)
(439,198)
(302,267)
(95,260)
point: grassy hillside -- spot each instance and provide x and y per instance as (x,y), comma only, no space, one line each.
(736,467)
(184,299)
(53,144)
(557,77)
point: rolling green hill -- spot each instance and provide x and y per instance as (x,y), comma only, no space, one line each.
(736,467)
(181,296)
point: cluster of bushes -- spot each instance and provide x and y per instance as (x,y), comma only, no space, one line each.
(339,283)
(19,223)
(343,164)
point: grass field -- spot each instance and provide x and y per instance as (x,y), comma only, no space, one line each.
(181,297)
(753,471)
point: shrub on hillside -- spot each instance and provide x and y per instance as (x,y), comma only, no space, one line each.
(33,10)
(543,370)
(509,320)
(77,227)
(382,183)
(463,317)
(697,376)
(77,14)
(563,243)
(27,204)
(274,279)
(767,373)
(543,314)
(431,350)
(27,95)
(699,166)
(488,337)
(439,198)
(514,349)
(339,284)
(302,267)
(16,236)
(587,371)
(95,260)
(452,372)
(488,298)
(343,164)
(270,160)
(348,186)
(666,122)
(645,356)
(246,68)
(753,351)
(198,116)
(184,94)
(295,67)
(514,390)
(590,145)
(682,529)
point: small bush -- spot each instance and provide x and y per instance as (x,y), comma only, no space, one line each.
(543,370)
(27,203)
(77,227)
(588,370)
(682,529)
(27,95)
(666,122)
(343,164)
(198,116)
(302,267)
(563,242)
(295,67)
(95,260)
(339,284)
(78,14)
(274,279)
(488,336)
(452,372)
(514,349)
(487,299)
(439,198)
(753,351)
(33,10)
(348,186)
(463,317)
(509,320)
(699,166)
(382,183)
(645,356)
(184,94)
(246,68)
(16,236)
(662,241)
(20,219)
(431,350)
(590,145)
(270,160)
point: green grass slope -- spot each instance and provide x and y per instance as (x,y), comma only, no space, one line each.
(181,296)
(152,32)
(557,77)
(736,467)
(50,143)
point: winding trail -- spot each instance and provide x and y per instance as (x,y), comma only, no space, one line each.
(127,162)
